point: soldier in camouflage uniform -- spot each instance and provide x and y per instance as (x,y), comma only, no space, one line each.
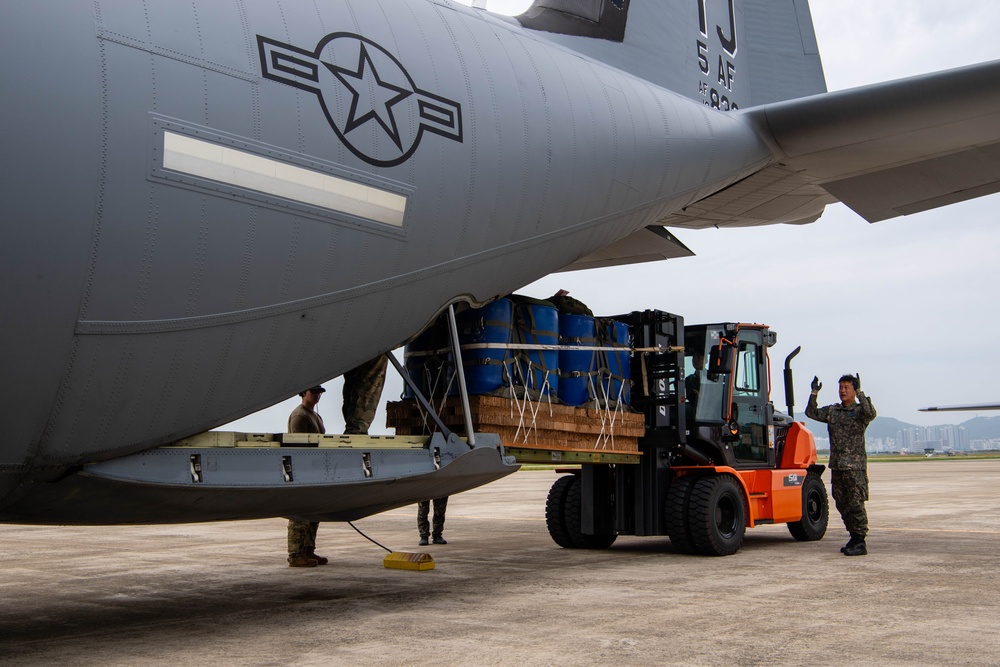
(846,422)
(362,391)
(302,534)
(423,509)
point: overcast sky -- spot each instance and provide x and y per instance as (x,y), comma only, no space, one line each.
(908,303)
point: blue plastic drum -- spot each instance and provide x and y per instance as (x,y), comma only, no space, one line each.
(615,334)
(576,366)
(477,328)
(537,324)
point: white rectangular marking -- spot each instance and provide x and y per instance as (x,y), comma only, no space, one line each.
(254,172)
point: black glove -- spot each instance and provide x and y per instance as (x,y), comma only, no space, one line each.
(816,385)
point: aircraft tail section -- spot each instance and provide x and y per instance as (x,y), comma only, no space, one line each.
(726,53)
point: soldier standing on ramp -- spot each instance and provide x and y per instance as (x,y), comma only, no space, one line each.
(301,534)
(846,422)
(362,390)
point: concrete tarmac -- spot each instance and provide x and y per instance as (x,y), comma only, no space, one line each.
(504,594)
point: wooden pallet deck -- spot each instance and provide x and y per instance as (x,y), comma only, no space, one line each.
(530,425)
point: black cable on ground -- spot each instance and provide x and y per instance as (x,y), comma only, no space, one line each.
(368,538)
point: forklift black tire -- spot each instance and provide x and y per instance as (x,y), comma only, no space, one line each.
(717,515)
(555,512)
(676,514)
(815,511)
(562,517)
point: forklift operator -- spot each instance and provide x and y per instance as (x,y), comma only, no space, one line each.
(703,390)
(692,383)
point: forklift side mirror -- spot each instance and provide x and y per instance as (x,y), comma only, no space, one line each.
(721,359)
(731,433)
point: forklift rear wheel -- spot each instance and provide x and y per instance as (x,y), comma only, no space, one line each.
(676,514)
(815,511)
(562,517)
(717,515)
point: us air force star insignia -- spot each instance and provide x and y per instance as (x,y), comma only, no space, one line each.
(369,100)
(371,95)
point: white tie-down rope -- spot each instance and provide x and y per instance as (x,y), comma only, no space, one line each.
(609,416)
(432,386)
(526,407)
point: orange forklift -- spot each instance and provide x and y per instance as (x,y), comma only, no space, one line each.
(716,457)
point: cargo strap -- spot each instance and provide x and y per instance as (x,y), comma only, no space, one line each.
(618,347)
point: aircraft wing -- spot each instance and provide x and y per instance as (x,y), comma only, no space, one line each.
(957,408)
(650,244)
(885,150)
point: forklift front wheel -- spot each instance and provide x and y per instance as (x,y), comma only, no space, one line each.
(717,515)
(676,514)
(555,512)
(562,517)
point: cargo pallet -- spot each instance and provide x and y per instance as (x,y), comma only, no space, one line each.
(538,431)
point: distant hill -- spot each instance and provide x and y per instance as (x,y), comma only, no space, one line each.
(887,427)
(882,427)
(982,428)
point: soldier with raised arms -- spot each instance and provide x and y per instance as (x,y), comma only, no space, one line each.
(846,422)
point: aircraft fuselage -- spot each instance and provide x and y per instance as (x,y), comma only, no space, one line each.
(209,206)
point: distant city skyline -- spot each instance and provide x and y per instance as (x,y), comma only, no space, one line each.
(917,439)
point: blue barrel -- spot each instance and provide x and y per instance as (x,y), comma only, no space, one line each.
(576,366)
(538,324)
(484,366)
(615,334)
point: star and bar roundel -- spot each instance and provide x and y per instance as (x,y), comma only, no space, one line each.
(368,97)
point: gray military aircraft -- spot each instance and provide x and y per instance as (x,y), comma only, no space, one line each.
(209,206)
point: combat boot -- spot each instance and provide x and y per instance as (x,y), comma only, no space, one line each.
(858,548)
(855,538)
(301,560)
(423,541)
(320,560)
(440,540)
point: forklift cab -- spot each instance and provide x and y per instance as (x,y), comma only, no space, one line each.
(726,385)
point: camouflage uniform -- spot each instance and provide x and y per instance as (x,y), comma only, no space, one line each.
(362,391)
(302,535)
(567,305)
(301,538)
(423,509)
(848,460)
